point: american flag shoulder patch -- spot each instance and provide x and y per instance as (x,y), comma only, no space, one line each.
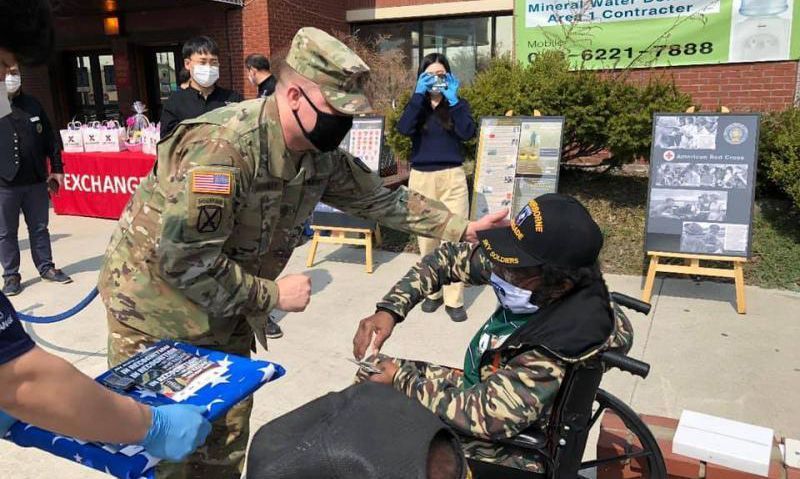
(212,182)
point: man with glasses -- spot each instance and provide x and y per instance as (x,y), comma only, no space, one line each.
(201,60)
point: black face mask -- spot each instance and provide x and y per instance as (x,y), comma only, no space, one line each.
(329,131)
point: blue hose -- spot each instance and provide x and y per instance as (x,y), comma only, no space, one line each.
(60,317)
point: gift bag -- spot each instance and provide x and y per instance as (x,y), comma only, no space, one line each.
(112,137)
(150,138)
(91,137)
(137,123)
(72,137)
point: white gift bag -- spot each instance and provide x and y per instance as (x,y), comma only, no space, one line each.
(150,138)
(72,137)
(91,137)
(112,137)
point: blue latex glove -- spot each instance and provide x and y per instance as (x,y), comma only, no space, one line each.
(177,430)
(451,92)
(6,422)
(424,83)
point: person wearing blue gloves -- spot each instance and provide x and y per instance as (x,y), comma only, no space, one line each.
(46,391)
(439,122)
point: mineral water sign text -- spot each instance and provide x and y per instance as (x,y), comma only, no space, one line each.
(643,33)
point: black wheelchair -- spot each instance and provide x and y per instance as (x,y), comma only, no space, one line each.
(579,406)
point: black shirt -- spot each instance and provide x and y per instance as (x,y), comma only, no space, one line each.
(14,342)
(26,141)
(189,103)
(267,87)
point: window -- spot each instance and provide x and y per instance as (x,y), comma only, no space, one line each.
(468,42)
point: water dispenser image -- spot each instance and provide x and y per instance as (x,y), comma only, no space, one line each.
(761,31)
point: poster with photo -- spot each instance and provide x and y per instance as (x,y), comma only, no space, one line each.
(702,184)
(518,159)
(364,141)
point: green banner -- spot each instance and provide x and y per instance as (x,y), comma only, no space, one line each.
(643,33)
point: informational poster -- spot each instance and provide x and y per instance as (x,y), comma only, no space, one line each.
(518,159)
(702,184)
(644,33)
(365,142)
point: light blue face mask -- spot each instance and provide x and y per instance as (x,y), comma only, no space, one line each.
(512,298)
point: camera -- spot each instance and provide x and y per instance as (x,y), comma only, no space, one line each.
(441,84)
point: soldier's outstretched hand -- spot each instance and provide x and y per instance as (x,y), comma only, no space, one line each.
(294,292)
(498,219)
(381,324)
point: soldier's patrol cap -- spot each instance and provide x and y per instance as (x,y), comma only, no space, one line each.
(552,229)
(339,72)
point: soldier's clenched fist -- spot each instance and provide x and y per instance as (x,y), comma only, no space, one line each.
(294,292)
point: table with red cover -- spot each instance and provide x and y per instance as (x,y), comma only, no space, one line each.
(100,184)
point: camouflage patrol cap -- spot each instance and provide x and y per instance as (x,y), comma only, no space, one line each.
(339,72)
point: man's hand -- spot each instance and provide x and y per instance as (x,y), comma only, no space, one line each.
(498,219)
(294,292)
(176,431)
(380,323)
(388,370)
(58,178)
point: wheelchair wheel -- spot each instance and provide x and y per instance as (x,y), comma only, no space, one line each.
(635,451)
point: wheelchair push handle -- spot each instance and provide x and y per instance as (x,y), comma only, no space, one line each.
(631,303)
(625,363)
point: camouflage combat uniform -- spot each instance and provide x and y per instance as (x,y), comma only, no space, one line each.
(198,248)
(517,388)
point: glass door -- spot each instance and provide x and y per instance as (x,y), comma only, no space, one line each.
(162,68)
(94,85)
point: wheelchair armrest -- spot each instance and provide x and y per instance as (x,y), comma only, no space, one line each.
(531,438)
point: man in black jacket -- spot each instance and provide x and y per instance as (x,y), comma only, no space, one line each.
(26,142)
(259,75)
(201,60)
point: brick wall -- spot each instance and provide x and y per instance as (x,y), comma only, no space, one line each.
(358,4)
(764,86)
(255,27)
(288,16)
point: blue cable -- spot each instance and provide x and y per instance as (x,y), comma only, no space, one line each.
(60,317)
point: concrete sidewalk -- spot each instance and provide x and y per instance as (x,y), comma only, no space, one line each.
(704,356)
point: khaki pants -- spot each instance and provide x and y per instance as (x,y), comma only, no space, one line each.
(450,187)
(223,454)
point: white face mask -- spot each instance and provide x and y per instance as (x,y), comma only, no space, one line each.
(512,298)
(5,103)
(205,75)
(13,82)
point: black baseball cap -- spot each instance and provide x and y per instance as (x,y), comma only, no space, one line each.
(552,229)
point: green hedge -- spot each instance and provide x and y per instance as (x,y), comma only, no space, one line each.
(779,154)
(603,111)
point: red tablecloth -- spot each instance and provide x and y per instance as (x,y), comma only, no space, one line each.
(100,184)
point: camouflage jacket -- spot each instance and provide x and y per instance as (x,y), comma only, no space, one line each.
(203,238)
(516,390)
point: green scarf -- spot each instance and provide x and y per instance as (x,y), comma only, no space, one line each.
(491,335)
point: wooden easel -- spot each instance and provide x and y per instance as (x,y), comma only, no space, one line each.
(342,236)
(692,265)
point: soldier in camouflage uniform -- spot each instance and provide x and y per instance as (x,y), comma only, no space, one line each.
(199,247)
(554,310)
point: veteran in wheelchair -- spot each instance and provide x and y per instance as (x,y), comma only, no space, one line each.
(528,391)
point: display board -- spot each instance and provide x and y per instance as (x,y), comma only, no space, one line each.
(518,159)
(702,184)
(644,33)
(364,141)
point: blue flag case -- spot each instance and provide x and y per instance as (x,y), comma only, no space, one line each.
(167,373)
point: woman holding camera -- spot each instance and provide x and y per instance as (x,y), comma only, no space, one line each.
(439,122)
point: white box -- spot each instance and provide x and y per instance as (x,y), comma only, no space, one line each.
(792,453)
(721,441)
